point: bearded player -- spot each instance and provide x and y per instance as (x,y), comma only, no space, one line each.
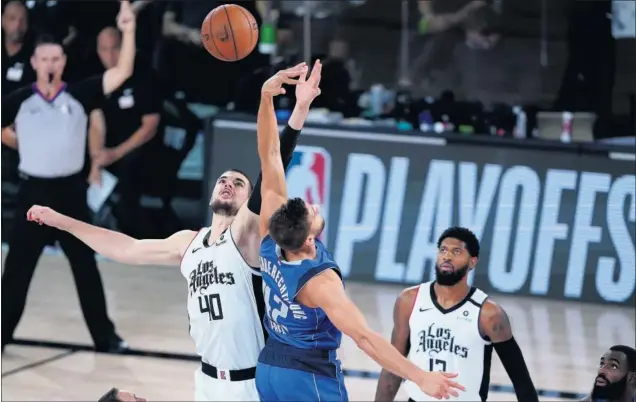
(616,379)
(220,264)
(447,325)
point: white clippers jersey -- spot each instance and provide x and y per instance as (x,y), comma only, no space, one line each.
(449,340)
(225,302)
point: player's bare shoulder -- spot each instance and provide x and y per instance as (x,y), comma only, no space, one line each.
(405,302)
(408,296)
(180,241)
(494,322)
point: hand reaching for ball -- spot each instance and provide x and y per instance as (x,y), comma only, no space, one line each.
(126,17)
(308,89)
(274,85)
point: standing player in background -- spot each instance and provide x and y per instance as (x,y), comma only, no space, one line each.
(449,325)
(220,264)
(307,307)
(616,379)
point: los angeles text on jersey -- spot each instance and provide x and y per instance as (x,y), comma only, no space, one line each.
(206,274)
(285,303)
(434,340)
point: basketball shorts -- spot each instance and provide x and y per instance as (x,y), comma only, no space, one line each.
(207,388)
(285,384)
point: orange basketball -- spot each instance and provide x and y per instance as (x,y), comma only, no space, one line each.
(229,32)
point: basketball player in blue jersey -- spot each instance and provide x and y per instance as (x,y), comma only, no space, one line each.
(306,306)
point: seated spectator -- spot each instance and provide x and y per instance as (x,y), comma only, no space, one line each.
(117,133)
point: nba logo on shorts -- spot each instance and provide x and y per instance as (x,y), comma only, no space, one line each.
(309,177)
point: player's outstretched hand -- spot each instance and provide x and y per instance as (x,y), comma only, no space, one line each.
(126,17)
(309,88)
(439,385)
(290,76)
(45,216)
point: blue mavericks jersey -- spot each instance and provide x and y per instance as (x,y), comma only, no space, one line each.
(286,320)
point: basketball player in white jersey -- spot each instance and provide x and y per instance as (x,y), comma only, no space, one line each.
(447,325)
(220,264)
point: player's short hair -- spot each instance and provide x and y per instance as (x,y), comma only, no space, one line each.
(464,235)
(249,182)
(289,225)
(630,353)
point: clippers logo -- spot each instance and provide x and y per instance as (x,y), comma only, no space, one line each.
(309,177)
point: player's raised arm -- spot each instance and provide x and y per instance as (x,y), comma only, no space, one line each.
(245,225)
(114,77)
(494,323)
(273,187)
(117,246)
(389,383)
(326,291)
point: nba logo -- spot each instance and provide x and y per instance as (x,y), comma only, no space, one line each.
(222,372)
(309,178)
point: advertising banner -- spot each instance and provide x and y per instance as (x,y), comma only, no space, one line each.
(553,224)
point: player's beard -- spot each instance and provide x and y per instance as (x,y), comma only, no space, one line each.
(445,278)
(223,208)
(611,390)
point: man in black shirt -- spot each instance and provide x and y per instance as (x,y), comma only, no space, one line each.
(16,51)
(130,119)
(16,72)
(50,120)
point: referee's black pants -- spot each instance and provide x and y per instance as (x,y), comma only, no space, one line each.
(67,196)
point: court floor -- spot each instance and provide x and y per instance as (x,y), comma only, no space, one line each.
(561,341)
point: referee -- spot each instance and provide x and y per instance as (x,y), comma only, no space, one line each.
(50,120)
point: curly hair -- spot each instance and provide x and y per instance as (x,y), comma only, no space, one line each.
(464,235)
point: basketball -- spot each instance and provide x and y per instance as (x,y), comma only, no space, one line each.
(229,32)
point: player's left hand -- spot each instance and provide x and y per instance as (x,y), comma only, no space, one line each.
(126,17)
(274,85)
(308,89)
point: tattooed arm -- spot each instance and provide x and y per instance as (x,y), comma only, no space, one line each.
(389,383)
(495,325)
